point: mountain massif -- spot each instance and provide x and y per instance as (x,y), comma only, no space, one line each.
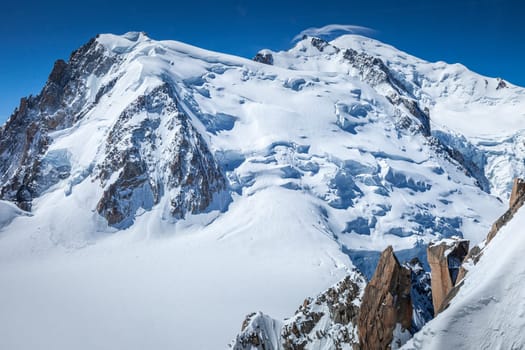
(153,194)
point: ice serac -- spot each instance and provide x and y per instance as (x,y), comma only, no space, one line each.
(445,258)
(386,304)
(154,150)
(24,139)
(328,321)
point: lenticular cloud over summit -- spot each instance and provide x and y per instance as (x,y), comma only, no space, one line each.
(332,30)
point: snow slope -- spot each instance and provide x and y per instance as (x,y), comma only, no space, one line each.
(322,169)
(489,311)
(8,212)
(130,291)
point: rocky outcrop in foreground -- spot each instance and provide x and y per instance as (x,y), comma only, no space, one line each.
(445,258)
(327,321)
(348,315)
(386,305)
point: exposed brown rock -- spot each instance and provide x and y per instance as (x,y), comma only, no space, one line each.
(518,190)
(385,303)
(445,258)
(340,319)
(517,198)
(473,256)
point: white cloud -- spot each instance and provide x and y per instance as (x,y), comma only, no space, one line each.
(330,29)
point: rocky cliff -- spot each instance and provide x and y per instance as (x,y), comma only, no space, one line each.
(386,305)
(445,258)
(25,138)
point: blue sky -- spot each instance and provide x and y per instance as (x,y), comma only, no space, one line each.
(488,36)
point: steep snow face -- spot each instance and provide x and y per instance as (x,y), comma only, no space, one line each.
(488,311)
(287,174)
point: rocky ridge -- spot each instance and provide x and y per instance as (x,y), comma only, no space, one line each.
(326,321)
(386,305)
(395,303)
(25,138)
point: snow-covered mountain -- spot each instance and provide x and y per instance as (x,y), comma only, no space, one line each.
(166,191)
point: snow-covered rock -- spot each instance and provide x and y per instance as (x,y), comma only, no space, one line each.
(328,321)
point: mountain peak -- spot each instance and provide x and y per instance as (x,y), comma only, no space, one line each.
(121,43)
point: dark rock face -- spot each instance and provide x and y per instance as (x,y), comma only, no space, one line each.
(24,138)
(445,259)
(421,294)
(190,176)
(472,159)
(386,303)
(501,84)
(328,321)
(319,44)
(264,57)
(373,71)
